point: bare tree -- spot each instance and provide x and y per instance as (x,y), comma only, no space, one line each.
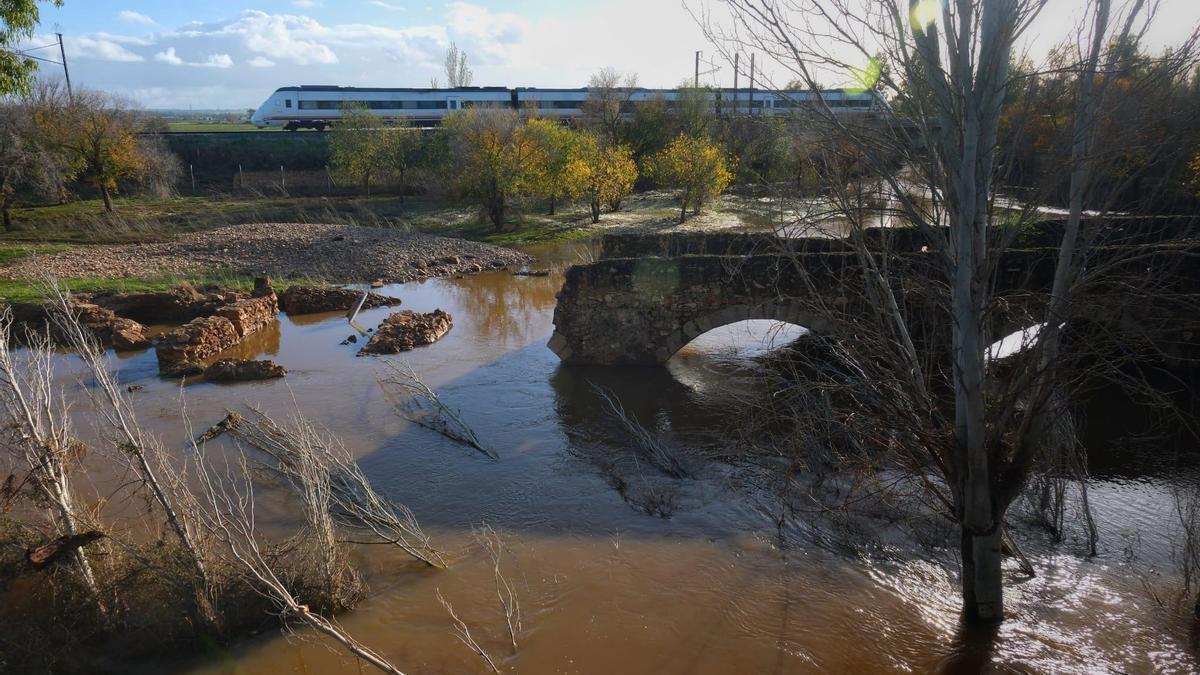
(39,437)
(953,60)
(608,99)
(457,72)
(30,166)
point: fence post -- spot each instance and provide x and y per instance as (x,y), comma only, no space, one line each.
(192,173)
(241,178)
(328,181)
(282,178)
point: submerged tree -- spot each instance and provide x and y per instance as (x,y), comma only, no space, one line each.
(697,167)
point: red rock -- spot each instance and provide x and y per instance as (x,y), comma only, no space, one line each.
(406,329)
(248,316)
(311,300)
(183,350)
(237,370)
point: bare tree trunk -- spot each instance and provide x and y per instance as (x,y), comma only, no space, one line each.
(595,210)
(552,205)
(107,196)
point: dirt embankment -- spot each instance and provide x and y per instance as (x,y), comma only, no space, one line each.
(338,253)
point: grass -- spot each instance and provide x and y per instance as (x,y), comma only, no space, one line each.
(32,290)
(53,228)
(213,127)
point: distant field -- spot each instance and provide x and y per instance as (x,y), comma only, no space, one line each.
(212,127)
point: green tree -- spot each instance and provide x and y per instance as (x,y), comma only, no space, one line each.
(697,167)
(491,159)
(18,19)
(362,149)
(553,143)
(601,174)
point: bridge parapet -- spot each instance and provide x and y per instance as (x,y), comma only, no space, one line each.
(640,310)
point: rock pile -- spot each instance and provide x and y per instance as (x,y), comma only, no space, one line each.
(237,370)
(183,351)
(182,303)
(312,299)
(406,329)
(110,330)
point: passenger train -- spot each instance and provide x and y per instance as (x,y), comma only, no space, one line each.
(318,106)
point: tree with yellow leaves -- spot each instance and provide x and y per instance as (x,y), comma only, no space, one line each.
(492,159)
(697,167)
(98,136)
(362,148)
(554,145)
(601,174)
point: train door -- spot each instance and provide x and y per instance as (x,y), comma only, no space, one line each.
(453,103)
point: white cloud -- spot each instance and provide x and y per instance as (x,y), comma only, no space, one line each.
(99,48)
(130,16)
(305,4)
(390,6)
(169,56)
(212,61)
(261,62)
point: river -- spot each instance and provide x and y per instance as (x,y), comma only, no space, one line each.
(703,581)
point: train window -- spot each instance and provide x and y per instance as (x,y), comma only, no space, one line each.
(287,102)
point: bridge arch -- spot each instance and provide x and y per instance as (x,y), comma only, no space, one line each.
(780,310)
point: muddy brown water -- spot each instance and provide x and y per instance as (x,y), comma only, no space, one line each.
(606,588)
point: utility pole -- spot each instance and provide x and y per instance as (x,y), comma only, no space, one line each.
(696,81)
(66,73)
(751,84)
(736,103)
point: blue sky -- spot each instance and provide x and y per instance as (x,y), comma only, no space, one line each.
(232,53)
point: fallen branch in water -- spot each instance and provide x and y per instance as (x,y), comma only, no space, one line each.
(648,443)
(504,590)
(424,407)
(464,634)
(228,514)
(298,448)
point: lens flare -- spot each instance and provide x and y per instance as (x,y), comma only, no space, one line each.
(866,78)
(924,13)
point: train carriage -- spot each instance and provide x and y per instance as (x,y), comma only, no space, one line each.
(320,106)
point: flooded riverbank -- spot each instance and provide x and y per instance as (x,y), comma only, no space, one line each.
(707,584)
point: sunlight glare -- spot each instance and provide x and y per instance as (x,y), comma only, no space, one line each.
(924,13)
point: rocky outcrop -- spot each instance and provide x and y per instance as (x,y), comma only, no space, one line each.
(405,330)
(240,370)
(182,303)
(248,316)
(313,299)
(110,330)
(184,350)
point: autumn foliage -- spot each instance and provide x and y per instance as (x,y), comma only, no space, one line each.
(696,167)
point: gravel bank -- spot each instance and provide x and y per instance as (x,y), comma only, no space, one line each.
(339,253)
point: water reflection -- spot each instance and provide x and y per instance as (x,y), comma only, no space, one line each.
(606,588)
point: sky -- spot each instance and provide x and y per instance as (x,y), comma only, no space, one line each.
(231,54)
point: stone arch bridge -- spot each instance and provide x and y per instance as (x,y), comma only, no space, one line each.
(649,295)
